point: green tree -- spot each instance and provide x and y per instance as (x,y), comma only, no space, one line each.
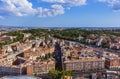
(59,74)
(54,74)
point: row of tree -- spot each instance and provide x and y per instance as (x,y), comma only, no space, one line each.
(68,34)
(59,74)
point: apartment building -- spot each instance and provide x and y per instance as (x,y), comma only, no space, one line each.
(2,52)
(12,70)
(84,65)
(40,67)
(112,63)
(38,51)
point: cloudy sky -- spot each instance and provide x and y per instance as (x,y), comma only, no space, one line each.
(60,13)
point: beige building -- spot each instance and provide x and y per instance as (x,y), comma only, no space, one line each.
(83,65)
(40,67)
(12,70)
(38,52)
(112,63)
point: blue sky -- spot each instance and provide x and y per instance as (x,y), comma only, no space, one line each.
(60,13)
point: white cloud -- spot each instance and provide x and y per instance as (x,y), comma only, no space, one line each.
(1,17)
(68,2)
(25,7)
(54,1)
(58,7)
(17,7)
(114,4)
(53,11)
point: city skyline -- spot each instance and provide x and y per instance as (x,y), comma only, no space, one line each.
(62,13)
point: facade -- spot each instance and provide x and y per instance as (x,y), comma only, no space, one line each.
(84,65)
(20,77)
(38,52)
(40,67)
(12,70)
(2,53)
(112,63)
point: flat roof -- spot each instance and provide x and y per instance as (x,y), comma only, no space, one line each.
(19,77)
(84,60)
